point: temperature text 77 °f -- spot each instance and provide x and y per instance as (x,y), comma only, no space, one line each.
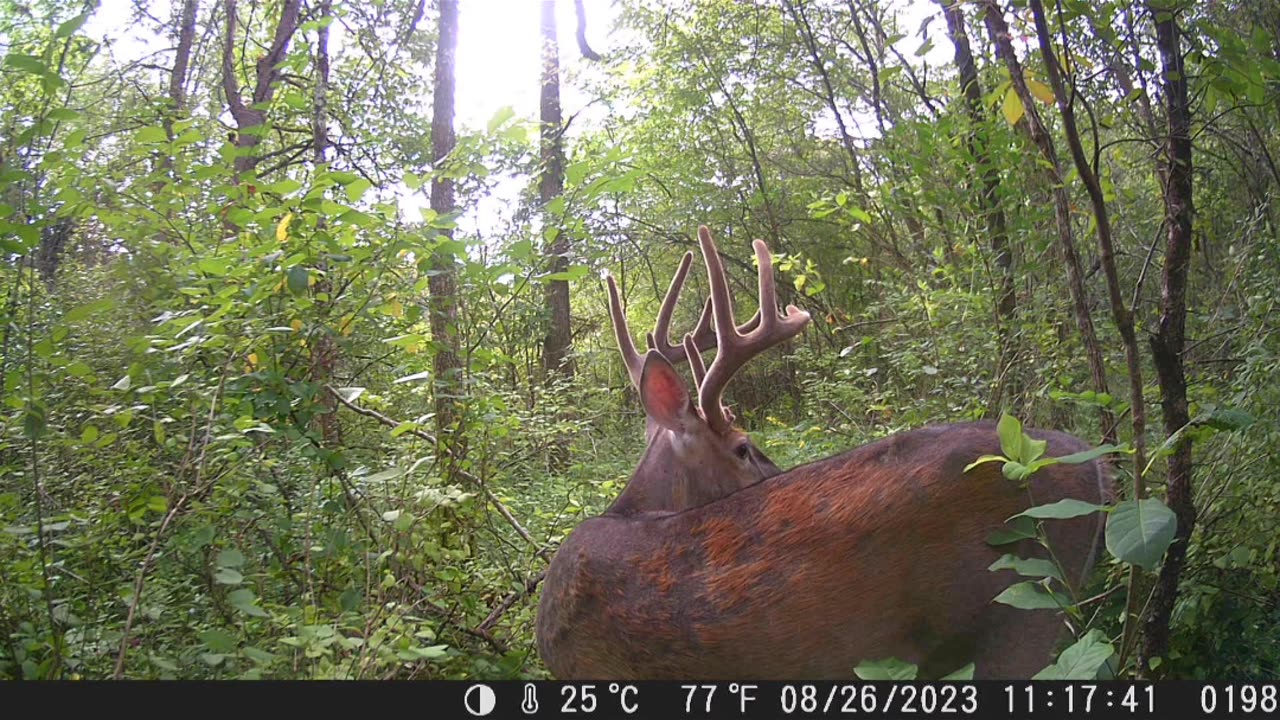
(584,698)
(745,693)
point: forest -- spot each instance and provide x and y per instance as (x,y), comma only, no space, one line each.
(309,364)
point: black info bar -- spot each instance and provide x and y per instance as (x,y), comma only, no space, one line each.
(509,700)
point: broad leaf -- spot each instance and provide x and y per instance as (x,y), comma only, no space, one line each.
(887,669)
(1140,532)
(1081,661)
(1061,510)
(1030,595)
(1017,528)
(1027,567)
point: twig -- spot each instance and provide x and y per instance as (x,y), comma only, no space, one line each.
(507,602)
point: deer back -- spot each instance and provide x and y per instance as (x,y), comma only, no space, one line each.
(877,552)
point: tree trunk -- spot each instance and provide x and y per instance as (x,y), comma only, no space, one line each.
(250,117)
(1168,343)
(181,61)
(324,351)
(558,342)
(998,30)
(443,285)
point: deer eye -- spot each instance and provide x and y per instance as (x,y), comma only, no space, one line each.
(743,451)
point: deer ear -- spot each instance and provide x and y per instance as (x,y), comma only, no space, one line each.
(663,393)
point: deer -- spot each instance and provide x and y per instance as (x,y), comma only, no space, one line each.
(715,564)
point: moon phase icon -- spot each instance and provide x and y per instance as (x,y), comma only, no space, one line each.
(479,700)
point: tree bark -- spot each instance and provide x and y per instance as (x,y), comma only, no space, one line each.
(443,286)
(989,198)
(324,351)
(181,61)
(998,30)
(1168,344)
(558,343)
(250,117)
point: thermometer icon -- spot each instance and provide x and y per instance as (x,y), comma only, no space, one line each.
(530,703)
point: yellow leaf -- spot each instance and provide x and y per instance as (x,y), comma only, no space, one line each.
(395,308)
(282,230)
(1042,92)
(253,359)
(344,326)
(296,325)
(1012,107)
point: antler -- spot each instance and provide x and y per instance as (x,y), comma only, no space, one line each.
(701,339)
(739,345)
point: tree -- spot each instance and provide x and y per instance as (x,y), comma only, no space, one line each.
(443,282)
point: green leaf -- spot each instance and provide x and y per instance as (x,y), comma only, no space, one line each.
(1139,533)
(886,669)
(1061,510)
(574,273)
(228,576)
(157,503)
(1030,595)
(68,28)
(1026,567)
(84,311)
(89,434)
(499,118)
(1017,528)
(983,459)
(298,277)
(1081,661)
(1087,455)
(243,600)
(1015,470)
(1229,419)
(230,557)
(26,63)
(152,134)
(257,655)
(213,266)
(218,640)
(33,422)
(1010,432)
(357,189)
(385,475)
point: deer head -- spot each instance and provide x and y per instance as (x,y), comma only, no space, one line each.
(695,454)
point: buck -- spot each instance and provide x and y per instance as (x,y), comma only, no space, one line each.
(713,563)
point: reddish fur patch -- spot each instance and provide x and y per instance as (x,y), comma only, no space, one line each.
(790,506)
(724,540)
(657,568)
(728,586)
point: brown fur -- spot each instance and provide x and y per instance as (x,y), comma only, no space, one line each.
(877,552)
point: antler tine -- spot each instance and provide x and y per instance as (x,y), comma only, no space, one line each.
(704,336)
(695,360)
(737,348)
(631,358)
